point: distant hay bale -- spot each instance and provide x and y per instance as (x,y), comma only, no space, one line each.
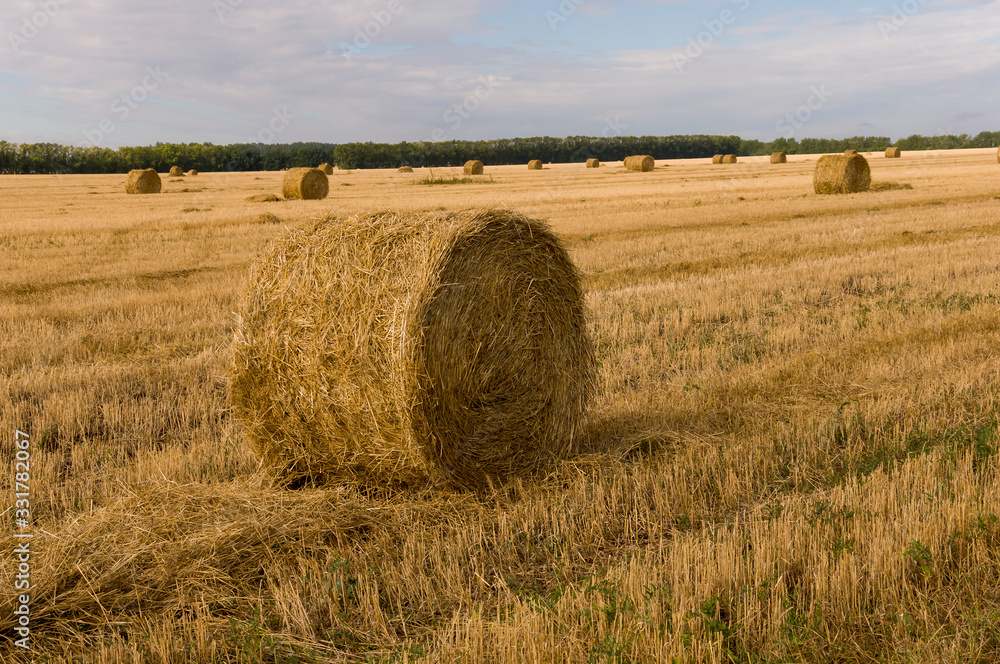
(143,181)
(849,152)
(326,168)
(729,159)
(593,163)
(396,345)
(176,172)
(473,167)
(305,183)
(841,174)
(717,159)
(405,169)
(535,165)
(192,172)
(893,153)
(779,158)
(641,162)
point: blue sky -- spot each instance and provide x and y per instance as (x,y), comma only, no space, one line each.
(117,72)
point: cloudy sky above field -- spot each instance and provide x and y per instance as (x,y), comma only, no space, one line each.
(120,72)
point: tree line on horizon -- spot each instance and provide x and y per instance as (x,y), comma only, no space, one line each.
(27,158)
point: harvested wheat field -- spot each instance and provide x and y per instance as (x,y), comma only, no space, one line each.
(790,454)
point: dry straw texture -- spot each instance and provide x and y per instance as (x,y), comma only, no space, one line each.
(998,155)
(176,172)
(535,165)
(841,174)
(849,152)
(893,153)
(779,158)
(192,172)
(396,346)
(593,163)
(642,162)
(717,159)
(889,186)
(729,159)
(473,167)
(143,181)
(326,168)
(263,198)
(305,183)
(405,169)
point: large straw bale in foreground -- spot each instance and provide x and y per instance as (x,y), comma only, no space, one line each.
(143,181)
(473,167)
(779,158)
(641,162)
(535,165)
(841,174)
(593,163)
(176,172)
(893,153)
(396,345)
(305,183)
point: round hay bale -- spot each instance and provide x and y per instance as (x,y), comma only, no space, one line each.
(841,174)
(405,169)
(642,162)
(779,158)
(893,153)
(143,181)
(176,172)
(593,163)
(473,167)
(729,159)
(998,155)
(309,184)
(396,345)
(192,172)
(326,168)
(535,165)
(849,152)
(717,159)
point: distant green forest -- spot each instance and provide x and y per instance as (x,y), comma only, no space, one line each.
(24,158)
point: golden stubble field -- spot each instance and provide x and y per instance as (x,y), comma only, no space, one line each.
(792,457)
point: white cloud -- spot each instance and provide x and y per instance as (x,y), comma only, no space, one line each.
(226,75)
